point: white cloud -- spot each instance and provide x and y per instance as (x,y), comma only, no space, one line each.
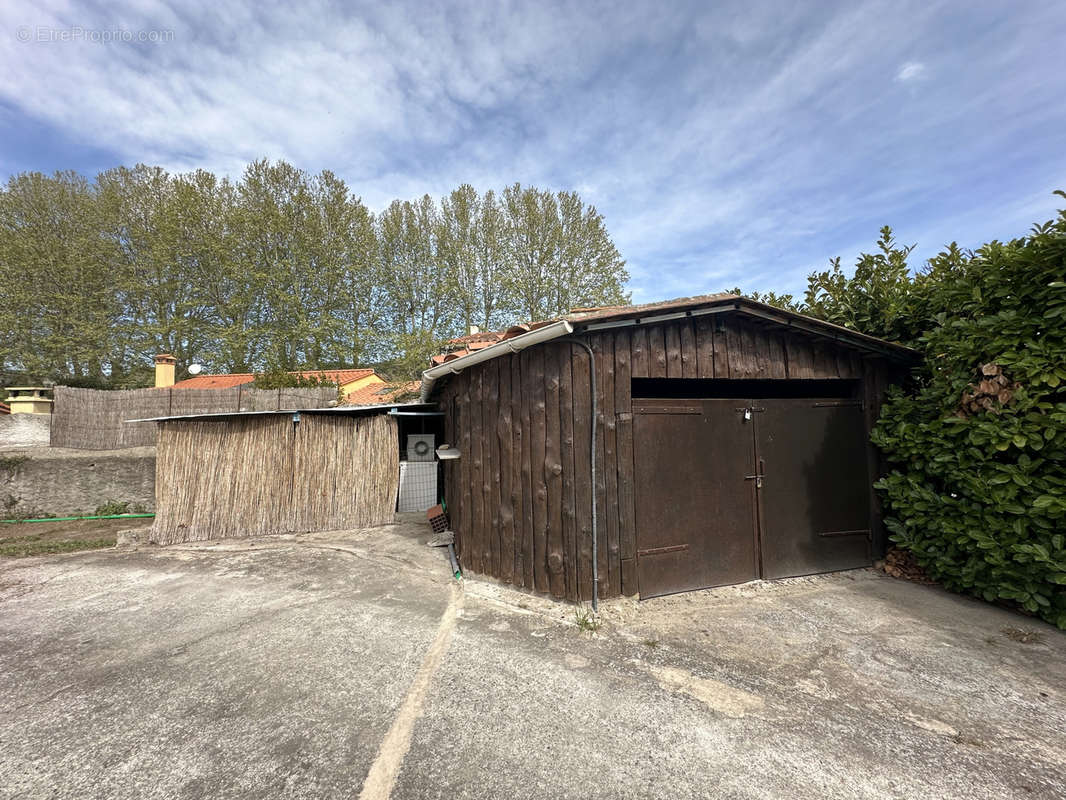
(733,144)
(911,71)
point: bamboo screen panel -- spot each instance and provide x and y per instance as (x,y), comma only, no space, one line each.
(242,477)
(345,472)
(92,419)
(95,419)
(226,479)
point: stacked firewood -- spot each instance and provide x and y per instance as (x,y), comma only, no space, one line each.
(990,391)
(901,564)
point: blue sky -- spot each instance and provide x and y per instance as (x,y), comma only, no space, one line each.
(725,143)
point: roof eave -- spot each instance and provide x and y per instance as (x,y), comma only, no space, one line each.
(542,334)
(744,305)
(581,323)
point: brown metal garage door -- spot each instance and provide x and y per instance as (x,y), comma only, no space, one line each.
(814,498)
(695,513)
(731,490)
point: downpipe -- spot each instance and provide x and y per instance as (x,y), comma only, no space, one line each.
(456,572)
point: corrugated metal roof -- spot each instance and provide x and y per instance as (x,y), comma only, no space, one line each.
(381,407)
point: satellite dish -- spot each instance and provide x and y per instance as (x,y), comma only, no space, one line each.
(195,369)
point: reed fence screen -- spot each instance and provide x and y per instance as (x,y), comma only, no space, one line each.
(255,476)
(95,419)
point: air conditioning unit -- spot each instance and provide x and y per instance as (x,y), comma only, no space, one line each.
(420,447)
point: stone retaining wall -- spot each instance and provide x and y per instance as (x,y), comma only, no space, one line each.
(55,480)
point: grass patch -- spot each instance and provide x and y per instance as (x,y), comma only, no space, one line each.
(23,546)
(651,644)
(113,508)
(12,463)
(586,620)
(11,509)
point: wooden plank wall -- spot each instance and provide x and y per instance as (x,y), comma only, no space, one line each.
(520,495)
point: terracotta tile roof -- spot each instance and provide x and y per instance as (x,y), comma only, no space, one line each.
(5,408)
(379,393)
(464,345)
(482,336)
(610,312)
(215,381)
(340,376)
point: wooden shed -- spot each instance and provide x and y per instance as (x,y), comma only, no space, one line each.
(721,440)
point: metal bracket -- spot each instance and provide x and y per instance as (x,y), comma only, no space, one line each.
(655,551)
(642,409)
(864,532)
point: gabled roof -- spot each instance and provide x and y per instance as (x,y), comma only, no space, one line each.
(617,316)
(614,312)
(581,320)
(339,376)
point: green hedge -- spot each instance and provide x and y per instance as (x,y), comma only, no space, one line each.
(977,482)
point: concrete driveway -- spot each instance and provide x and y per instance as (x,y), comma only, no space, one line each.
(351,664)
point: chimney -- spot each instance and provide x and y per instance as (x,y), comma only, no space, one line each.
(474,329)
(164,370)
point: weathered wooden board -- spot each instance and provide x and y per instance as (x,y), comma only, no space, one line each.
(491,475)
(505,435)
(656,352)
(583,472)
(518,493)
(527,470)
(553,472)
(610,465)
(627,536)
(639,350)
(689,355)
(538,421)
(672,335)
(602,515)
(565,358)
